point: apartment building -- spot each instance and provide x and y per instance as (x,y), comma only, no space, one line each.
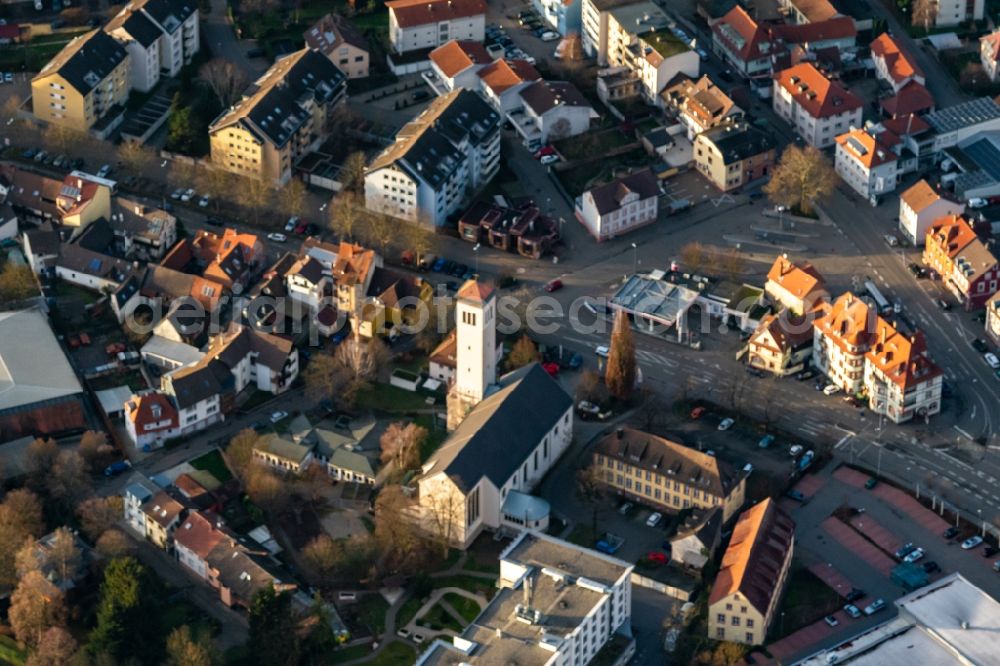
(967,267)
(953,12)
(439,159)
(280,118)
(920,206)
(993,319)
(743,43)
(416,25)
(457,64)
(700,105)
(617,207)
(666,475)
(595,16)
(163,514)
(150,419)
(161,37)
(734,154)
(803,12)
(84,85)
(867,162)
(842,335)
(901,381)
(640,41)
(894,66)
(341,42)
(563,16)
(816,107)
(781,343)
(796,286)
(746,592)
(539,574)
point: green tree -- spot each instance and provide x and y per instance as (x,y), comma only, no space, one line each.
(522,353)
(184,130)
(17,283)
(126,612)
(273,641)
(620,373)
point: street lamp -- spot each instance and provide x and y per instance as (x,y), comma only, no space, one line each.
(781,217)
(983,533)
(475,251)
(635,258)
(561,223)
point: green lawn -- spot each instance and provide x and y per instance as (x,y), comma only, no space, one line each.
(467,608)
(577,179)
(344,655)
(395,653)
(437,618)
(408,611)
(213,463)
(371,610)
(10,653)
(593,143)
(388,398)
(436,434)
(473,584)
(486,565)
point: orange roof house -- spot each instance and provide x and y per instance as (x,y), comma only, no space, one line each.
(967,267)
(894,65)
(817,95)
(457,56)
(753,574)
(901,360)
(848,322)
(798,287)
(874,151)
(739,34)
(229,258)
(501,75)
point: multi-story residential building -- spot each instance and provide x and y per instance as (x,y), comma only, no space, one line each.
(142,231)
(798,287)
(900,379)
(425,24)
(256,359)
(595,15)
(229,259)
(781,344)
(439,160)
(639,40)
(993,319)
(162,515)
(456,64)
(734,154)
(615,208)
(138,490)
(666,475)
(816,107)
(85,84)
(867,163)
(280,118)
(539,577)
(989,54)
(700,105)
(550,111)
(842,334)
(919,206)
(743,43)
(502,81)
(953,12)
(802,12)
(967,267)
(161,37)
(342,43)
(563,16)
(150,420)
(143,41)
(481,475)
(196,391)
(893,65)
(746,592)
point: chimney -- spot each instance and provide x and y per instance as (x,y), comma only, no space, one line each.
(140,209)
(621,433)
(883,334)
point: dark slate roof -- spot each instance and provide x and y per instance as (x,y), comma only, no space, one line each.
(163,281)
(501,431)
(86,262)
(169,13)
(87,60)
(543,96)
(44,240)
(96,237)
(140,27)
(197,383)
(738,142)
(242,571)
(608,197)
(129,287)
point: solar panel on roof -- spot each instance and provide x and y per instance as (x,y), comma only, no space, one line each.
(985,154)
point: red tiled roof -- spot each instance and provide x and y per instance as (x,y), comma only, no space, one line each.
(950,234)
(904,361)
(474,290)
(752,35)
(458,55)
(198,534)
(410,13)
(898,62)
(798,279)
(840,27)
(140,410)
(906,125)
(912,98)
(873,152)
(502,74)
(817,95)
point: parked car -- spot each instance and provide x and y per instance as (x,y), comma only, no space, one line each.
(602,351)
(697,413)
(276,237)
(291,224)
(549,36)
(116,468)
(992,360)
(804,375)
(104,171)
(914,555)
(797,496)
(855,594)
(587,409)
(213,221)
(980,345)
(188,194)
(548,159)
(871,483)
(748,469)
(971,542)
(551,368)
(978,202)
(931,567)
(755,372)
(625,508)
(891,240)
(831,621)
(176,194)
(875,606)
(702,54)
(917,270)
(904,550)
(654,519)
(657,557)
(795,450)
(726,423)
(203,202)
(852,611)
(765,441)
(990,551)
(831,389)
(950,533)
(300,228)
(553,285)
(40,156)
(543,151)
(278,415)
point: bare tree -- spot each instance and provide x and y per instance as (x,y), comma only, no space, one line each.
(694,256)
(416,237)
(63,555)
(522,353)
(114,543)
(379,230)
(398,537)
(352,173)
(267,490)
(68,480)
(323,378)
(620,375)
(225,79)
(360,362)
(55,648)
(445,510)
(401,444)
(924,13)
(321,555)
(347,212)
(95,450)
(61,139)
(35,606)
(41,455)
(292,198)
(801,177)
(135,157)
(256,193)
(188,648)
(239,453)
(590,484)
(182,174)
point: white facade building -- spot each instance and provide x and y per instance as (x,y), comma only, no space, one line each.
(615,208)
(551,110)
(919,207)
(866,164)
(953,12)
(817,108)
(426,24)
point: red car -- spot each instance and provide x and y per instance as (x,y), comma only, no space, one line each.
(697,412)
(301,227)
(543,151)
(657,558)
(551,368)
(554,285)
